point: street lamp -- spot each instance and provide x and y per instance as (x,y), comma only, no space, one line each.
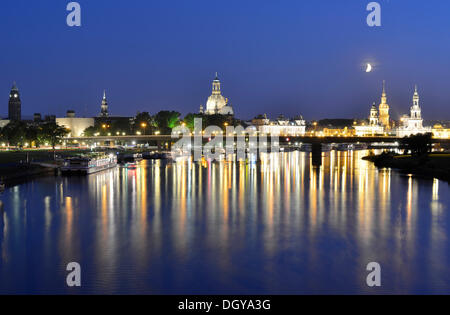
(144,125)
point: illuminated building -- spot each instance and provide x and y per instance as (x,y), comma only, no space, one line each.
(74,124)
(413,124)
(217,104)
(440,132)
(4,122)
(337,132)
(384,110)
(280,126)
(373,127)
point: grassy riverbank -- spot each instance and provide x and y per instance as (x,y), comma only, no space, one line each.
(17,166)
(433,165)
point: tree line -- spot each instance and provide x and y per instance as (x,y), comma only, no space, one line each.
(161,123)
(21,134)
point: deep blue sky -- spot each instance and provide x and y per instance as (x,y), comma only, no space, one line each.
(289,56)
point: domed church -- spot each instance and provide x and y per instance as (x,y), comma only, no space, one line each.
(217,104)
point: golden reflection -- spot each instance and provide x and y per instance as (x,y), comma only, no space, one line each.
(435,189)
(281,203)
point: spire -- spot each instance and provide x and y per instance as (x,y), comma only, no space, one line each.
(416,97)
(14,87)
(217,76)
(384,87)
(104,107)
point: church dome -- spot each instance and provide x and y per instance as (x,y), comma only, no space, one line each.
(217,104)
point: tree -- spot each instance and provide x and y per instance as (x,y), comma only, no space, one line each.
(90,131)
(144,122)
(189,120)
(31,134)
(417,144)
(15,133)
(219,120)
(121,126)
(166,120)
(53,133)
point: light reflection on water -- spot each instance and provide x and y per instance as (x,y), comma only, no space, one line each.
(278,226)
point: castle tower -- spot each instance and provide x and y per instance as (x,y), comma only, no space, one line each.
(104,109)
(384,109)
(15,104)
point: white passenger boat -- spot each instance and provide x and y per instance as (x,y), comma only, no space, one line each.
(88,164)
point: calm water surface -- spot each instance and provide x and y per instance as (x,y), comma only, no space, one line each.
(276,227)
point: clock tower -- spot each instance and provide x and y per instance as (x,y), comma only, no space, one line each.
(14,105)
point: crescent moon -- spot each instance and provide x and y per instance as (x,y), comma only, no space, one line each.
(369,68)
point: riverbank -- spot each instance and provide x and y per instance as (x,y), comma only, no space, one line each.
(19,166)
(433,165)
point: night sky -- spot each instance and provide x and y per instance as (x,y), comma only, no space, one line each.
(289,56)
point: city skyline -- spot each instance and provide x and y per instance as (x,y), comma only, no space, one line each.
(95,113)
(224,155)
(268,59)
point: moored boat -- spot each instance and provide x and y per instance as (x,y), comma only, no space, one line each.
(88,164)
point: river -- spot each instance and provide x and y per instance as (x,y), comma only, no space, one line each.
(279,226)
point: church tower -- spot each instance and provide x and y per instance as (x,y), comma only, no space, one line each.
(384,109)
(416,112)
(104,110)
(14,105)
(374,116)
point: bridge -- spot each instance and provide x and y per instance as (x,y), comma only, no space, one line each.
(169,139)
(166,141)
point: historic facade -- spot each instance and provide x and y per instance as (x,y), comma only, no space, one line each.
(15,104)
(413,124)
(281,126)
(217,103)
(373,127)
(384,109)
